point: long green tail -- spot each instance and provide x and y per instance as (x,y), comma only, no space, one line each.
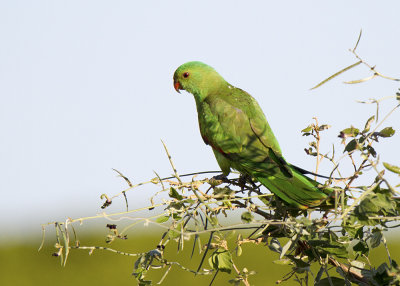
(299,191)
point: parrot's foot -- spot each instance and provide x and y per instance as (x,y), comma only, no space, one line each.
(218,180)
(221,177)
(244,179)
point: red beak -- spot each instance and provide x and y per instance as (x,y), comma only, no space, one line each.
(177,86)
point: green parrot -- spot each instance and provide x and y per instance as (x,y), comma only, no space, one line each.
(233,124)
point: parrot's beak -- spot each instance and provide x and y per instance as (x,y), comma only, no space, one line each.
(177,86)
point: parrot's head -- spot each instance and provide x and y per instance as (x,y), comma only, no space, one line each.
(196,78)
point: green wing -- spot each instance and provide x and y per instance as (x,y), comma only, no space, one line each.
(235,126)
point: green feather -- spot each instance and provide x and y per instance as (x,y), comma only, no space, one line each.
(233,124)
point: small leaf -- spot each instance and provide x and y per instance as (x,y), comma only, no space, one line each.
(376,238)
(371,150)
(361,248)
(275,245)
(324,127)
(386,132)
(173,193)
(329,247)
(307,129)
(351,146)
(247,217)
(287,246)
(361,80)
(176,206)
(392,168)
(221,260)
(368,124)
(349,132)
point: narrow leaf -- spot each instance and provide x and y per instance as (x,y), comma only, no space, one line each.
(368,124)
(361,80)
(392,168)
(336,74)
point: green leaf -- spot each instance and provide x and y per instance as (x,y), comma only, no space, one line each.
(352,227)
(247,217)
(361,248)
(349,132)
(376,238)
(352,145)
(162,219)
(307,129)
(176,206)
(392,168)
(329,247)
(221,260)
(173,193)
(372,151)
(379,203)
(386,132)
(175,216)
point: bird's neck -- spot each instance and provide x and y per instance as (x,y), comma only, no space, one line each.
(210,89)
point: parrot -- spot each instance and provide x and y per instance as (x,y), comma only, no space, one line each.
(234,125)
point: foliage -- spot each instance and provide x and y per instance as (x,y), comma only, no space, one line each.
(322,246)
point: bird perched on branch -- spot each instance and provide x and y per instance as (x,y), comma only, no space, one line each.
(233,124)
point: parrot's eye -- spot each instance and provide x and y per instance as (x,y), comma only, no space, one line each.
(186,74)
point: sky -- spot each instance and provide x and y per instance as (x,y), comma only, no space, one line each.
(86,86)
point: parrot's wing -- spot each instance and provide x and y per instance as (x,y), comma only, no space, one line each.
(244,135)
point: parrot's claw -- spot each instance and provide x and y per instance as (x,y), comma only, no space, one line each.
(221,177)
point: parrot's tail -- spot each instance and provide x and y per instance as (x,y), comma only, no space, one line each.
(299,191)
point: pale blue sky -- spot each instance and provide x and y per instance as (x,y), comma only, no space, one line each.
(86,86)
